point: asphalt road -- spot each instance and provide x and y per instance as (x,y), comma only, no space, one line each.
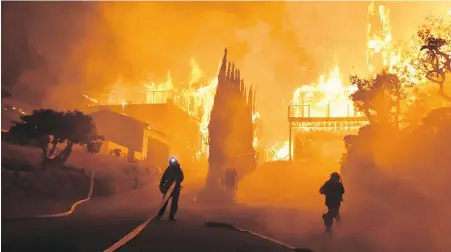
(98,224)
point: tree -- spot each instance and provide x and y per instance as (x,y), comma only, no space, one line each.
(379,97)
(437,124)
(435,52)
(230,129)
(51,128)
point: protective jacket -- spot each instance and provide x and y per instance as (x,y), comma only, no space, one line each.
(333,190)
(172,174)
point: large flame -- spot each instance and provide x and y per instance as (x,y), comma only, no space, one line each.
(380,43)
(379,40)
(331,92)
(327,98)
(196,98)
(330,96)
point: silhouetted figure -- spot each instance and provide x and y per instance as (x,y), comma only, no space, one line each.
(173,174)
(333,189)
(230,182)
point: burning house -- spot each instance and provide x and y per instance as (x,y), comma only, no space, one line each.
(162,116)
(322,113)
(126,136)
(319,116)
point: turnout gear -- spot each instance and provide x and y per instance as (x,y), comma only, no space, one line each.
(173,174)
(333,190)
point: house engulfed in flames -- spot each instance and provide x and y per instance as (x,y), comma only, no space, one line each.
(183,114)
(324,108)
(319,116)
(179,129)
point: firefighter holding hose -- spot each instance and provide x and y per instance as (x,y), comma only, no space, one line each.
(173,174)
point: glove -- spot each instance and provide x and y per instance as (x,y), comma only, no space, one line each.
(163,188)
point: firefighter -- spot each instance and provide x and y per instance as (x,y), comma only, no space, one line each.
(173,174)
(333,190)
(230,180)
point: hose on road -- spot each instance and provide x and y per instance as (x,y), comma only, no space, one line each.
(140,228)
(225,225)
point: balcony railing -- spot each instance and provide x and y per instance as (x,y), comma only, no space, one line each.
(332,110)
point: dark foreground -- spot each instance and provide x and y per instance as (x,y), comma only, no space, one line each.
(84,234)
(100,223)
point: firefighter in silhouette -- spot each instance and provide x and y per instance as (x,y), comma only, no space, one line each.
(173,174)
(229,181)
(333,189)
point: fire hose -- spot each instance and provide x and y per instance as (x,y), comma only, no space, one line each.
(137,230)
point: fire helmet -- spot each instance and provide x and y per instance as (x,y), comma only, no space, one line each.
(173,161)
(335,176)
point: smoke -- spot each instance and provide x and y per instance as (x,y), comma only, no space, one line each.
(52,37)
(85,47)
(382,211)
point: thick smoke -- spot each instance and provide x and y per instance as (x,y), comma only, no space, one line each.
(66,49)
(85,47)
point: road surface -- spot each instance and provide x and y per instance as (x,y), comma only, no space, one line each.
(101,222)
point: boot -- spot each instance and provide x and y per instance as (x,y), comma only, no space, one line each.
(338,219)
(329,230)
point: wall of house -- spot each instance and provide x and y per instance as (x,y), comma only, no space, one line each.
(178,125)
(108,146)
(158,153)
(120,129)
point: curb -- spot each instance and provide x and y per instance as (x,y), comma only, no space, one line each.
(215,224)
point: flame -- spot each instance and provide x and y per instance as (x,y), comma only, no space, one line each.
(396,60)
(332,90)
(91,99)
(279,151)
(255,119)
(327,98)
(196,98)
(379,41)
(196,72)
(203,100)
(330,96)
